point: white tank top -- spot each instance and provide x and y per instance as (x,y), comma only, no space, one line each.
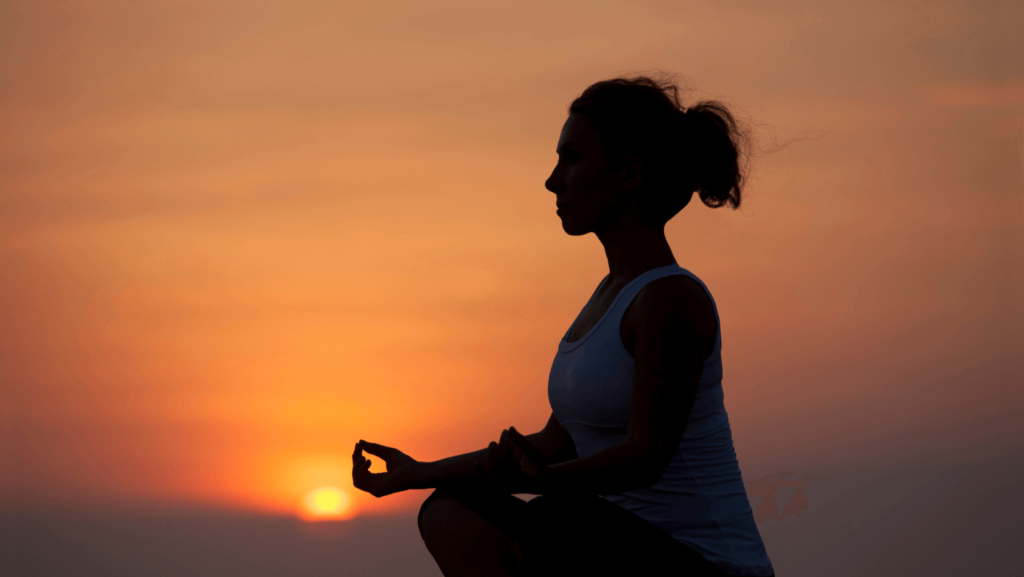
(700,499)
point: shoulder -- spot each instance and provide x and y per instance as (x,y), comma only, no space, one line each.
(675,294)
(674,304)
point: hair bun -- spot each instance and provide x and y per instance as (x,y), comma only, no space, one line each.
(685,149)
(717,151)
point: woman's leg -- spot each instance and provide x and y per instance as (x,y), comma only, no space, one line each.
(573,535)
(471,531)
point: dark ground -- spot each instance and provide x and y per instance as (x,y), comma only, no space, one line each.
(903,521)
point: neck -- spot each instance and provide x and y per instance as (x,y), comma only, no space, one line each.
(633,249)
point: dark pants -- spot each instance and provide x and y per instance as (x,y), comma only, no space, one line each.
(567,535)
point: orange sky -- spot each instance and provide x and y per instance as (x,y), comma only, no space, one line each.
(236,237)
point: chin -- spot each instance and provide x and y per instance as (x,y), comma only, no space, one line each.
(573,229)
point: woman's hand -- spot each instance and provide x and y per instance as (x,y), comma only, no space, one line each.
(514,463)
(399,475)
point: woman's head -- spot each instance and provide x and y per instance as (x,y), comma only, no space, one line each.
(664,150)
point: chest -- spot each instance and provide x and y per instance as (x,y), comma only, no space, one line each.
(591,382)
(595,310)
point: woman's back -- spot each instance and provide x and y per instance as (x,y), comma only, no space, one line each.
(700,499)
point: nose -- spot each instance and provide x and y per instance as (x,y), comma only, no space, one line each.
(554,183)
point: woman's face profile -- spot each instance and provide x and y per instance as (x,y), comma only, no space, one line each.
(583,187)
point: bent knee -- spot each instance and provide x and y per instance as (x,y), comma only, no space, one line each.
(434,512)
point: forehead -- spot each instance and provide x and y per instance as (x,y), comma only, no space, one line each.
(578,132)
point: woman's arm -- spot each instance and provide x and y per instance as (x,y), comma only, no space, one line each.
(674,325)
(552,443)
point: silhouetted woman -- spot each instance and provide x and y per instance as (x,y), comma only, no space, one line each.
(635,469)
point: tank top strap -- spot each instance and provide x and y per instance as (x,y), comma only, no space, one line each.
(613,316)
(629,292)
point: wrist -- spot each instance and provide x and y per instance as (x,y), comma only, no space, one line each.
(419,477)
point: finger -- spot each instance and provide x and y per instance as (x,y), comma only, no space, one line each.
(386,453)
(389,454)
(505,445)
(521,456)
(520,441)
(359,475)
(507,442)
(362,477)
(358,452)
(531,466)
(523,445)
(516,435)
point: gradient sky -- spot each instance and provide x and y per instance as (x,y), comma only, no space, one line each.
(236,237)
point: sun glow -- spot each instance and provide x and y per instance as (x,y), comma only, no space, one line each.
(328,503)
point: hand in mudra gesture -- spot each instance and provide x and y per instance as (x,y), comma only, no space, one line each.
(514,462)
(399,470)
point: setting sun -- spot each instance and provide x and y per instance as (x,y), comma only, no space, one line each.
(328,503)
